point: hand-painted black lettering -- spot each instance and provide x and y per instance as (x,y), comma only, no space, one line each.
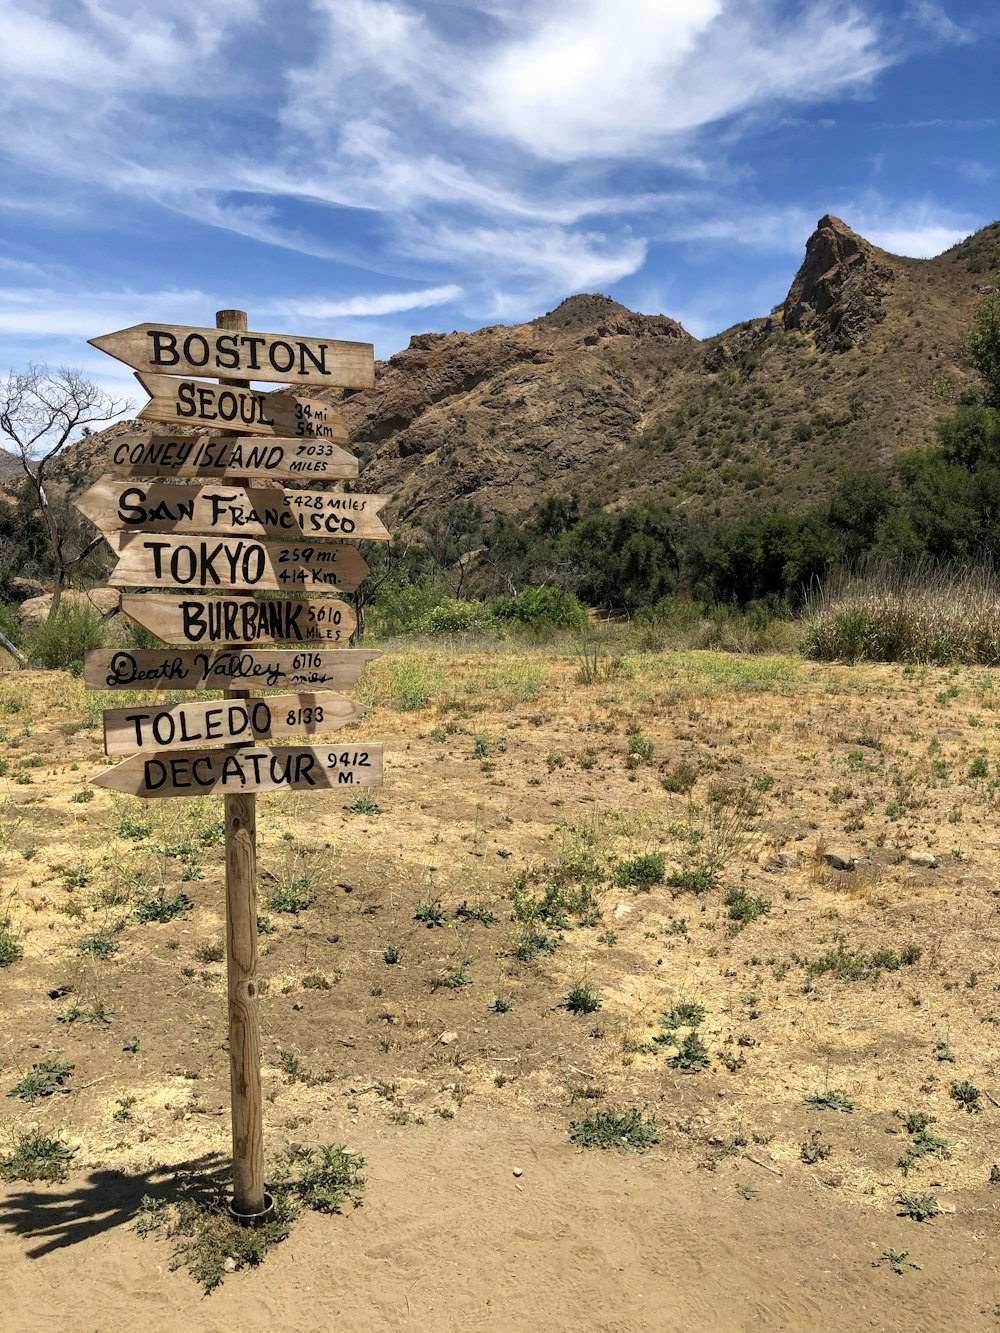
(164,348)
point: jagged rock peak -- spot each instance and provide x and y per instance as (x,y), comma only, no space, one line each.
(598,316)
(838,292)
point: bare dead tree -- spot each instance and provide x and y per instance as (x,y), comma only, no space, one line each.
(41,410)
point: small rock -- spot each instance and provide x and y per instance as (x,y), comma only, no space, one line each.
(447,1038)
(229,1264)
(782,861)
(621,910)
(518,1171)
(838,861)
(926,859)
(297,1004)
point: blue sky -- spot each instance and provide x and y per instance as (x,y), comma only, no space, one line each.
(369,169)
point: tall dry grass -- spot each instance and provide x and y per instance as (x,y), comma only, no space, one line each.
(930,613)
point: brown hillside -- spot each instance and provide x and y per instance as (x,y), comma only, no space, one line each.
(859,362)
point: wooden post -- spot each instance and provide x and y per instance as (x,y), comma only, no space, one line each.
(241,963)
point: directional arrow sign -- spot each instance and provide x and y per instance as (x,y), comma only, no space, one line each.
(205,562)
(214,456)
(225,721)
(112,505)
(195,403)
(234,772)
(243,620)
(178,350)
(224,668)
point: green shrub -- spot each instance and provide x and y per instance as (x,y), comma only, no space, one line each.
(542,609)
(745,907)
(691,1056)
(59,644)
(158,907)
(581,1000)
(624,1130)
(42,1079)
(36,1156)
(453,616)
(11,950)
(9,624)
(641,872)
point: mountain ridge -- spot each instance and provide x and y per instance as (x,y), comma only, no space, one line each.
(858,362)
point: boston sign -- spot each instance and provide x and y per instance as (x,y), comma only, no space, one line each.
(179,350)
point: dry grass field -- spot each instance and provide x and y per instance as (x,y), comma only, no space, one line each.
(753,899)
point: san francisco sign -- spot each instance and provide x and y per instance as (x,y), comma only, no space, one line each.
(115,505)
(175,349)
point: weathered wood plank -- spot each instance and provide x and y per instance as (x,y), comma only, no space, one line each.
(187,402)
(208,562)
(176,349)
(225,722)
(244,620)
(231,772)
(113,504)
(224,668)
(225,456)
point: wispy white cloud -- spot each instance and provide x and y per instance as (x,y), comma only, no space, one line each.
(48,313)
(573,261)
(977,172)
(488,155)
(589,79)
(384,303)
(918,229)
(934,20)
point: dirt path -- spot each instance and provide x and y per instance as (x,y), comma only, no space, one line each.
(450,1239)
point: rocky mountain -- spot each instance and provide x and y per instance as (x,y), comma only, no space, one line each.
(10,468)
(858,362)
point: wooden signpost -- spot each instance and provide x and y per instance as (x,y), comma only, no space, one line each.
(224,668)
(236,536)
(238,564)
(274,768)
(174,349)
(112,505)
(197,403)
(215,620)
(232,456)
(226,722)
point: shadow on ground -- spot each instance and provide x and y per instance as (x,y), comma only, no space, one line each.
(57,1216)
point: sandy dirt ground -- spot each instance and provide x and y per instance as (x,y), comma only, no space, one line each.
(826,895)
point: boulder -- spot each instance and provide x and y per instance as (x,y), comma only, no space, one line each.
(839,861)
(22,589)
(926,859)
(36,609)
